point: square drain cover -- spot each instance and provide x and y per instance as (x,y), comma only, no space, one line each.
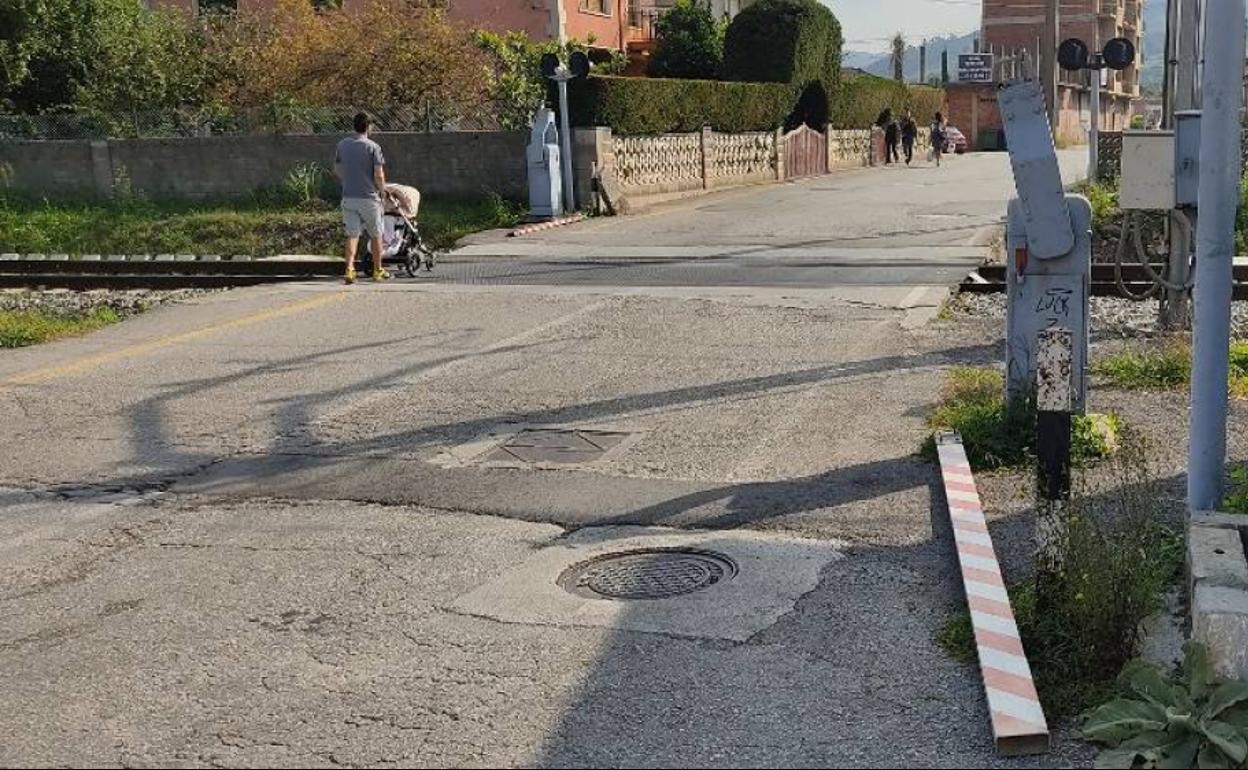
(556,446)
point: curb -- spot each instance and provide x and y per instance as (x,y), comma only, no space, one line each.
(1018,723)
(540,226)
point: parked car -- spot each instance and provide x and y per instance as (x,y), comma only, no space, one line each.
(955,141)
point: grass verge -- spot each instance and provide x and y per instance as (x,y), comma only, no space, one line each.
(19,328)
(997,435)
(261,226)
(1079,611)
(1168,367)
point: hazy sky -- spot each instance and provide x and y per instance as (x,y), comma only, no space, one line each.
(868,24)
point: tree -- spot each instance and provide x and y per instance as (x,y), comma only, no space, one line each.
(378,53)
(49,47)
(897,57)
(689,42)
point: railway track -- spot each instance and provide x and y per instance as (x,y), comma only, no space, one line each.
(990,279)
(59,271)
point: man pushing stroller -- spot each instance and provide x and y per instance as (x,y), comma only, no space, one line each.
(361,168)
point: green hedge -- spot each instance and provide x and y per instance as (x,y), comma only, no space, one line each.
(862,98)
(640,106)
(784,41)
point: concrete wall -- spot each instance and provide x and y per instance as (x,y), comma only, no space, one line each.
(452,164)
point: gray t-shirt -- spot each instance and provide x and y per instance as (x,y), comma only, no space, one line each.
(358,156)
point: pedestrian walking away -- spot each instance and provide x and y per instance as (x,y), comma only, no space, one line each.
(938,137)
(892,135)
(360,167)
(909,133)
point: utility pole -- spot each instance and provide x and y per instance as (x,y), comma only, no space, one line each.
(1222,95)
(1048,60)
(1182,91)
(923,63)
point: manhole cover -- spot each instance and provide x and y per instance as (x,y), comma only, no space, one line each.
(559,446)
(651,573)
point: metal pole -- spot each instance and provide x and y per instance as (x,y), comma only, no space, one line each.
(569,195)
(1094,131)
(1222,94)
(1048,60)
(1171,59)
(1185,41)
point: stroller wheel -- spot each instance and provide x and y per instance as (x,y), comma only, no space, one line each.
(411,264)
(431,259)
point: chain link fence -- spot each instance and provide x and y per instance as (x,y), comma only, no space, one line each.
(277,119)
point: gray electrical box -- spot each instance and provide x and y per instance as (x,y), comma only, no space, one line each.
(1186,157)
(542,153)
(1045,293)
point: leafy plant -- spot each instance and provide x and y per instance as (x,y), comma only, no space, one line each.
(690,42)
(1237,496)
(1188,721)
(305,183)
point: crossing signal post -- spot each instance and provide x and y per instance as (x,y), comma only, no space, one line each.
(1074,55)
(554,69)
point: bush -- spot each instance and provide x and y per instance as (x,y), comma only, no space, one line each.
(863,97)
(640,106)
(785,41)
(690,42)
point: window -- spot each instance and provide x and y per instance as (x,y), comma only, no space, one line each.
(596,6)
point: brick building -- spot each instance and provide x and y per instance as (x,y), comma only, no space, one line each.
(1014,28)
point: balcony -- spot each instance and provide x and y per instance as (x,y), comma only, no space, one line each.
(1131,14)
(642,14)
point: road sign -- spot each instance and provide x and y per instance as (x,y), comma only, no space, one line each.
(975,68)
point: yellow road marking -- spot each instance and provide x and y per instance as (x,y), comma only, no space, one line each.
(101,359)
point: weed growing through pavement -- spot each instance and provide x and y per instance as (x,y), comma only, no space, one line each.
(19,328)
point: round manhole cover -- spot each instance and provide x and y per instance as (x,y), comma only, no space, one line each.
(649,573)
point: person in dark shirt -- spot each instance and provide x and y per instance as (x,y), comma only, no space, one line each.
(891,136)
(909,132)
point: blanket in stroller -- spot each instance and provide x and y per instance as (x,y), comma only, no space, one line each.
(402,203)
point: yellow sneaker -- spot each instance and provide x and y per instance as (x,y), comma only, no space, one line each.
(381,275)
(350,277)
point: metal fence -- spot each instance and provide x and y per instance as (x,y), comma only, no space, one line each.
(277,119)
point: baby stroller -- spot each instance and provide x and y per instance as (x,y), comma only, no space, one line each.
(400,238)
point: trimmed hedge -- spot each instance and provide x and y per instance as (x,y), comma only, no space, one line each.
(785,41)
(863,97)
(641,106)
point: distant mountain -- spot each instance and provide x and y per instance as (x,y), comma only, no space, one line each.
(1154,54)
(881,64)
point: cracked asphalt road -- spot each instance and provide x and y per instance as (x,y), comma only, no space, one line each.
(234,533)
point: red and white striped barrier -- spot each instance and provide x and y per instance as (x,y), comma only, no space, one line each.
(1018,723)
(547,225)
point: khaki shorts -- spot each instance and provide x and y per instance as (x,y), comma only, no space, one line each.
(362,215)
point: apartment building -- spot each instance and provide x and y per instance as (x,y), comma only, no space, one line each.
(1015,27)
